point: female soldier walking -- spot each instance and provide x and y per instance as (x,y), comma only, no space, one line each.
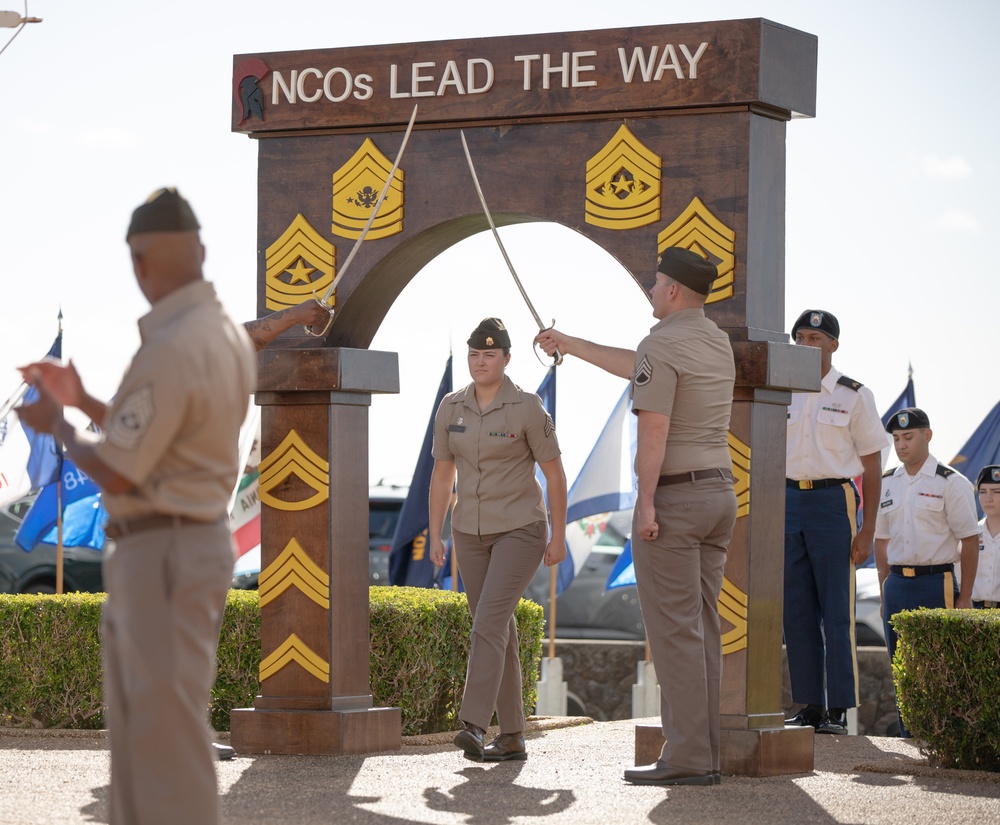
(491,434)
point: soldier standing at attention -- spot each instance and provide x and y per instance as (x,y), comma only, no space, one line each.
(833,436)
(926,523)
(683,376)
(167,461)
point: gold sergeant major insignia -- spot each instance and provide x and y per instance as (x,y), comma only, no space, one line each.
(356,187)
(698,230)
(298,263)
(623,184)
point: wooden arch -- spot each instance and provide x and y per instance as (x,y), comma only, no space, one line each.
(639,139)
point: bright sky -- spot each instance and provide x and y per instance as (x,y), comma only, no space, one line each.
(892,190)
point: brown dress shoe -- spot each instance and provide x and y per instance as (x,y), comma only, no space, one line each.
(506,746)
(470,740)
(662,773)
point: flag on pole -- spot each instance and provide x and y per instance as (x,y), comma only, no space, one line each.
(244,516)
(982,448)
(28,460)
(605,483)
(409,560)
(907,398)
(84,515)
(547,393)
(623,572)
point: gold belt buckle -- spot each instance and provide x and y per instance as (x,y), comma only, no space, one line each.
(909,572)
(805,485)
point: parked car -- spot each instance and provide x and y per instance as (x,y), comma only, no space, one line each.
(35,572)
(588,610)
(385,501)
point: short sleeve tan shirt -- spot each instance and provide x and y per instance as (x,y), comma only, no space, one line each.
(173,428)
(495,453)
(685,369)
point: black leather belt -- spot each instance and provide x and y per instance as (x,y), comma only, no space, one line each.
(695,475)
(816,484)
(909,571)
(139,524)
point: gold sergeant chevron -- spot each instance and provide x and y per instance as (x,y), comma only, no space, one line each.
(293,568)
(293,649)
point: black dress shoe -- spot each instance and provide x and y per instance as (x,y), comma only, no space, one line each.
(809,716)
(834,721)
(470,740)
(505,747)
(662,773)
(222,752)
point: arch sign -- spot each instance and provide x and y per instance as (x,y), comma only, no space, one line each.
(640,139)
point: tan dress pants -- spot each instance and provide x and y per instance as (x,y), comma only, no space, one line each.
(679,577)
(160,632)
(496,569)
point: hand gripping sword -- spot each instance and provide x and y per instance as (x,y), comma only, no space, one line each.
(364,231)
(486,210)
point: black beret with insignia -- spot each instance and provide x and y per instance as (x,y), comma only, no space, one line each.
(687,268)
(910,418)
(490,334)
(164,211)
(818,319)
(990,474)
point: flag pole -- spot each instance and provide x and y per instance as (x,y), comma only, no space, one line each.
(552,610)
(59,528)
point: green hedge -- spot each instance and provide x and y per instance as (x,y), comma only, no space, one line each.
(947,674)
(50,670)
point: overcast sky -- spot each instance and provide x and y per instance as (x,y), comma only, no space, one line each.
(892,190)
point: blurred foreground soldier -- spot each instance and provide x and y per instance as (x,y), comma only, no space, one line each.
(834,435)
(926,523)
(167,463)
(490,434)
(682,391)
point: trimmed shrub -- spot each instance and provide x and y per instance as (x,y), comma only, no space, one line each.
(50,670)
(947,675)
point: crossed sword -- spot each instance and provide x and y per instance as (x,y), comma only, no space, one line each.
(557,357)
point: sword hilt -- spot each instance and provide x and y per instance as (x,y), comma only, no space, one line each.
(557,358)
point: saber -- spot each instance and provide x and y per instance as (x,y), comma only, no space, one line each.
(364,231)
(486,210)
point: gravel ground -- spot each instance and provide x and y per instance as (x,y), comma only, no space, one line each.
(573,775)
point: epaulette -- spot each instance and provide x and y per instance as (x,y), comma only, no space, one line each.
(850,382)
(944,470)
(888,473)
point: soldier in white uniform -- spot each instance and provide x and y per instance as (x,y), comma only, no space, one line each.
(926,523)
(986,590)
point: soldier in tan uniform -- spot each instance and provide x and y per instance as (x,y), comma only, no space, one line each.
(682,390)
(167,463)
(490,434)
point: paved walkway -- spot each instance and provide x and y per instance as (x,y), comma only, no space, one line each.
(573,775)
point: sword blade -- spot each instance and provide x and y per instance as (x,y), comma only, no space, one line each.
(496,235)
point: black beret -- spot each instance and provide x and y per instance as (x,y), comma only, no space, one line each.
(490,334)
(910,418)
(990,474)
(164,211)
(687,268)
(818,319)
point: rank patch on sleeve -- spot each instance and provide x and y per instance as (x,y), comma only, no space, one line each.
(550,426)
(643,373)
(131,419)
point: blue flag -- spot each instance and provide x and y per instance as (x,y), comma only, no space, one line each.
(83,514)
(409,560)
(623,573)
(907,398)
(981,449)
(605,483)
(547,393)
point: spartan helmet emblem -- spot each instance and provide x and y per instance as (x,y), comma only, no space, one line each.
(815,319)
(995,475)
(904,419)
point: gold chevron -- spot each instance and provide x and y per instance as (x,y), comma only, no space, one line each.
(739,453)
(356,186)
(733,608)
(697,229)
(293,568)
(306,258)
(294,457)
(293,649)
(623,184)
